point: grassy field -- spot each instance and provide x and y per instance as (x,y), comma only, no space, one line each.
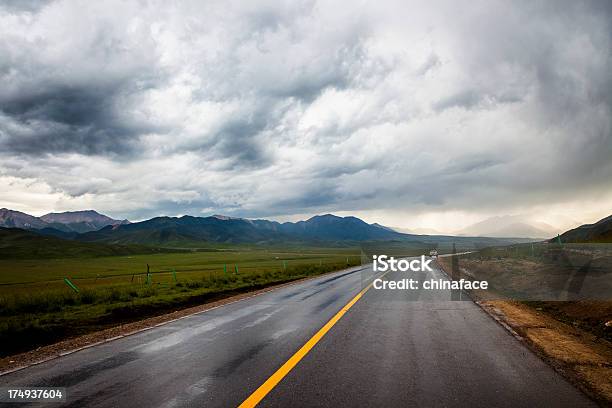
(31,276)
(37,307)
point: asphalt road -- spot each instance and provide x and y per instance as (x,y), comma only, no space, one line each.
(391,349)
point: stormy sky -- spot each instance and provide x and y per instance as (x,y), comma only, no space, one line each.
(410,114)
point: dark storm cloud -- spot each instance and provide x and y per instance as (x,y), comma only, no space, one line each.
(239,141)
(71,92)
(65,119)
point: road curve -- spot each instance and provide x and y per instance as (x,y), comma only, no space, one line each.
(393,348)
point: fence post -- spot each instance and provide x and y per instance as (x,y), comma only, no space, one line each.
(72,285)
(455,273)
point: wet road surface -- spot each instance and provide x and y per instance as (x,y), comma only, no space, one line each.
(393,348)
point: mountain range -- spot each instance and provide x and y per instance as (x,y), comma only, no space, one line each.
(174,230)
(91,226)
(60,224)
(187,231)
(89,233)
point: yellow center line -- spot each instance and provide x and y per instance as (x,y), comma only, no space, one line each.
(259,394)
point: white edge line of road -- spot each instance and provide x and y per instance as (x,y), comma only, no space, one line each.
(67,352)
(499,320)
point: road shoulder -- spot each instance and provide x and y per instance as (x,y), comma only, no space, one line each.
(581,357)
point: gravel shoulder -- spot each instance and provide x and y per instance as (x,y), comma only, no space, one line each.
(581,356)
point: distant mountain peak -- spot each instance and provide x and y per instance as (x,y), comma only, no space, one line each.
(17,219)
(324,217)
(75,213)
(5,210)
(383,227)
(508,226)
(86,216)
(224,217)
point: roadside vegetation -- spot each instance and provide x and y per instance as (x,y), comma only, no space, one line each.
(549,276)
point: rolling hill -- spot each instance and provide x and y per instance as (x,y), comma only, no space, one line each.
(601,231)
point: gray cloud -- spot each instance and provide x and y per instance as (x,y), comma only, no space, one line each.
(472,99)
(285,108)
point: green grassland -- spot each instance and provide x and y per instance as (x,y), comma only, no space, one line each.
(30,276)
(37,307)
(23,275)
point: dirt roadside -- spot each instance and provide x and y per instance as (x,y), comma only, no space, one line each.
(580,356)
